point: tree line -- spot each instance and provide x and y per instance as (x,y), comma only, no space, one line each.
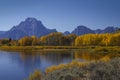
(53,39)
(58,39)
(98,39)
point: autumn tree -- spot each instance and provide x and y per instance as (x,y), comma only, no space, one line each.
(115,40)
(71,39)
(53,39)
(34,40)
(43,40)
(98,39)
(4,41)
(25,41)
(57,39)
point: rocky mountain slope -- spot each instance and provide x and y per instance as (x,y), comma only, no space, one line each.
(29,27)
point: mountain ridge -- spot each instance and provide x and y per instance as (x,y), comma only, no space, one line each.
(80,30)
(33,27)
(29,27)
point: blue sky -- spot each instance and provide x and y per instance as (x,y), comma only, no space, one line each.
(61,14)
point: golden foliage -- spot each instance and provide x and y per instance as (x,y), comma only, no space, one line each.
(98,39)
(36,75)
(105,58)
(69,66)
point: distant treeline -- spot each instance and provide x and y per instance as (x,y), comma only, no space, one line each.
(58,39)
(53,39)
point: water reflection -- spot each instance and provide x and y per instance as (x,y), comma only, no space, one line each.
(86,55)
(42,60)
(18,65)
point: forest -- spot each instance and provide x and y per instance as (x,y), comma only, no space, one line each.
(58,39)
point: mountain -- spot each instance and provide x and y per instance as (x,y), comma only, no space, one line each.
(34,27)
(109,29)
(29,27)
(98,31)
(2,32)
(80,30)
(66,33)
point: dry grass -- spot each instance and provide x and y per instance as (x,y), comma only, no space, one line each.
(105,69)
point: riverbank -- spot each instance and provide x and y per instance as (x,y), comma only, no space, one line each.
(37,48)
(61,48)
(102,70)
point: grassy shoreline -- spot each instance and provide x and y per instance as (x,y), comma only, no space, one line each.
(101,70)
(60,48)
(37,48)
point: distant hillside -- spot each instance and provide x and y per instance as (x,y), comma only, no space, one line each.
(29,27)
(66,33)
(2,32)
(109,29)
(32,26)
(80,30)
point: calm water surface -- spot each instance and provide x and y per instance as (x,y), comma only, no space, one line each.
(18,65)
